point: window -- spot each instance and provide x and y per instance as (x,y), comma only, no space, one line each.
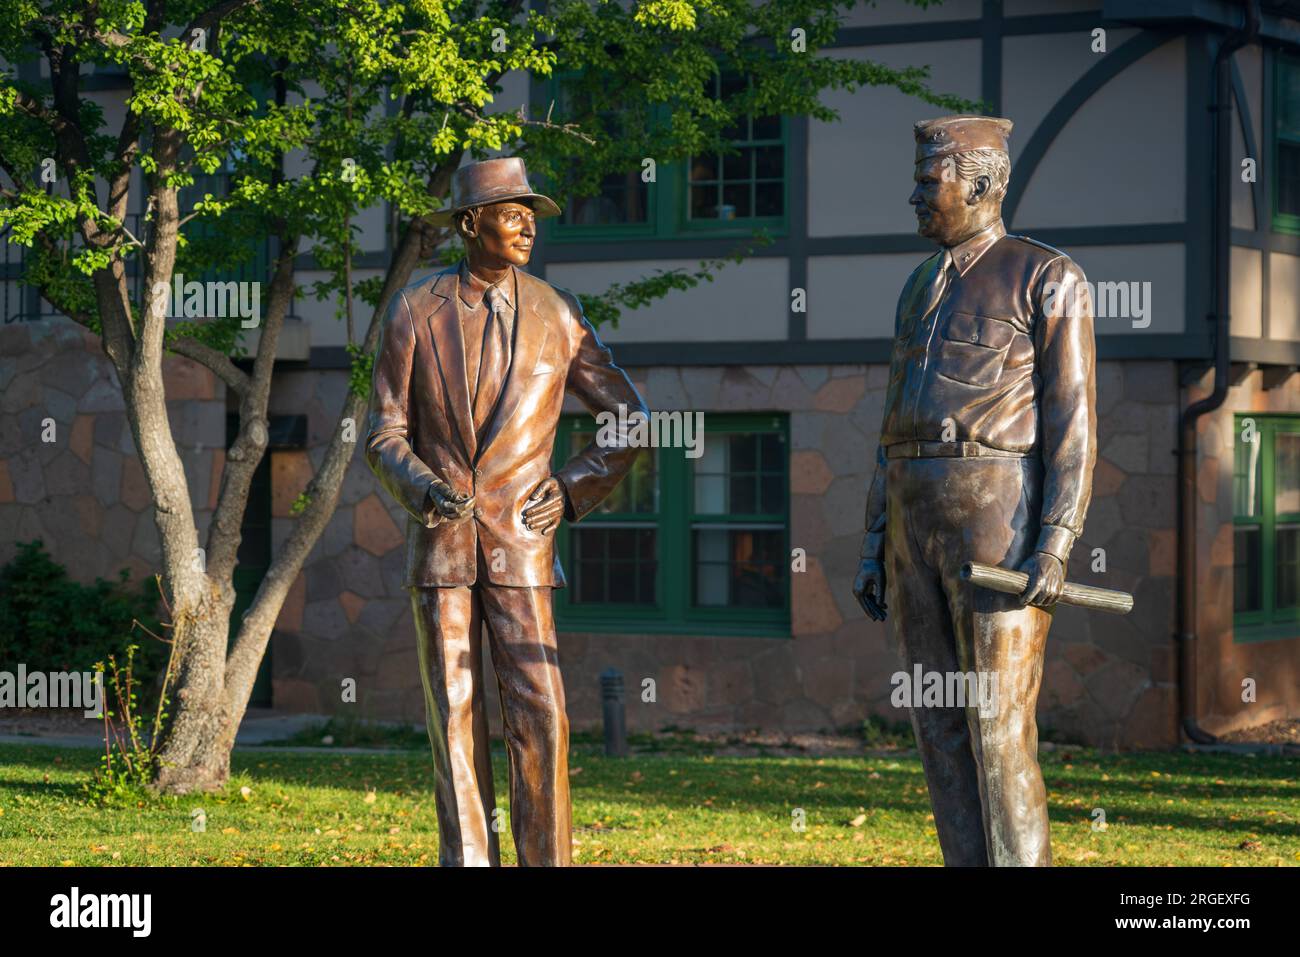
(747,184)
(711,194)
(685,545)
(1266,540)
(1286,144)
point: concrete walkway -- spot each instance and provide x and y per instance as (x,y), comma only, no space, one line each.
(258,727)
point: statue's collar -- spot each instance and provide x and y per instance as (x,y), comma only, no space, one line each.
(967,252)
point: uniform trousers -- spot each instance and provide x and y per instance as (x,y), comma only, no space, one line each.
(986,789)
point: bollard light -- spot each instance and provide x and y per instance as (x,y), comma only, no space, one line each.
(615,715)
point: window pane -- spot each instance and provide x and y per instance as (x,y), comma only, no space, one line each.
(619,197)
(749,182)
(737,165)
(735,201)
(1288,95)
(739,568)
(1245,569)
(741,473)
(1287,550)
(770,162)
(1246,485)
(1288,178)
(704,169)
(1286,472)
(704,202)
(769,199)
(623,198)
(613,565)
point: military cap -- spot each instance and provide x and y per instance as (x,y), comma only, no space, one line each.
(960,134)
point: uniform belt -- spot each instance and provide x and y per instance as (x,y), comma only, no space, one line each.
(927,450)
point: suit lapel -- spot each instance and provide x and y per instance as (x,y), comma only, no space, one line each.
(445,327)
(530,337)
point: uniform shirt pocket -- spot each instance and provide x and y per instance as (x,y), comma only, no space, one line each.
(973,348)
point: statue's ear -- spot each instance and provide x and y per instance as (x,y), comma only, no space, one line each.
(467,224)
(979,189)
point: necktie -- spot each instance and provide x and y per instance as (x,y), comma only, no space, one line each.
(942,276)
(494,364)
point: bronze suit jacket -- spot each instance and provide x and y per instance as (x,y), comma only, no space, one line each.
(1008,357)
(420,427)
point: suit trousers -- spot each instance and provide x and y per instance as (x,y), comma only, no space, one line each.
(521,637)
(981,764)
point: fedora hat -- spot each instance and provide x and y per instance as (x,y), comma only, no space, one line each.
(503,180)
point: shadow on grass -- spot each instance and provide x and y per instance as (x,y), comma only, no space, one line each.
(672,782)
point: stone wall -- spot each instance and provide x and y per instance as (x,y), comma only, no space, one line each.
(1108,680)
(1222,661)
(84,493)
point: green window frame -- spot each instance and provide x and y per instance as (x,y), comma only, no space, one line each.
(1266,532)
(668,199)
(1285,185)
(665,584)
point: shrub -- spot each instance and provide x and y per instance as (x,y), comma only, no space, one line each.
(51,623)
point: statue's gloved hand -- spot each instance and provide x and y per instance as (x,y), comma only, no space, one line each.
(1046,579)
(869,588)
(445,502)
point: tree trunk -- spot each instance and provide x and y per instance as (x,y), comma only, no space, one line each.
(197,740)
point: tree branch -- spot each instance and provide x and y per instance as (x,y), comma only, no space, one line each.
(213,360)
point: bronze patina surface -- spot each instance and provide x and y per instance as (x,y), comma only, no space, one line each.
(469,380)
(986,452)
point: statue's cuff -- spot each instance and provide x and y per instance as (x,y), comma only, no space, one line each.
(429,511)
(569,512)
(873,545)
(1056,540)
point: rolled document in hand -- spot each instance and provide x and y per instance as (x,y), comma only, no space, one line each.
(1011,582)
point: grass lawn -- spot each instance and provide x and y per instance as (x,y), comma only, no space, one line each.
(672,806)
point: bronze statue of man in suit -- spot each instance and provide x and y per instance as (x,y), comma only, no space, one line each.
(469,379)
(986,454)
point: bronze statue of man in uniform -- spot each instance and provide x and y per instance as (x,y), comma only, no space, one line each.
(986,454)
(469,379)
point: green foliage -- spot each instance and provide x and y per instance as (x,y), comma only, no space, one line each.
(130,758)
(399,91)
(607,306)
(360,371)
(51,623)
(300,504)
(880,733)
